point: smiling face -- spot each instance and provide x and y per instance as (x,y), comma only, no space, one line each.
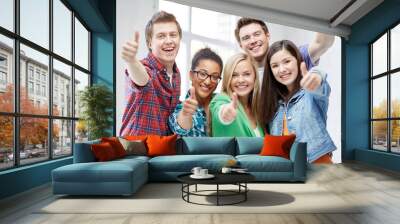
(254,41)
(285,68)
(205,87)
(243,79)
(165,42)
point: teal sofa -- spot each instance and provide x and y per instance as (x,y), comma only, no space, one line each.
(125,176)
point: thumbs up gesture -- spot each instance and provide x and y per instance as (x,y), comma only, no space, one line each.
(229,111)
(137,72)
(189,107)
(190,104)
(310,81)
(130,48)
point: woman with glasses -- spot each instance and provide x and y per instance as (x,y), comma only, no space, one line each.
(234,110)
(192,116)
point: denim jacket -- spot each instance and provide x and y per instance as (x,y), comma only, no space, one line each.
(306,114)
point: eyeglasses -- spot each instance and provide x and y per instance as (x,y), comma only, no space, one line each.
(203,76)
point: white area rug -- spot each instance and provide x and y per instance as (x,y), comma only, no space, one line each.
(166,198)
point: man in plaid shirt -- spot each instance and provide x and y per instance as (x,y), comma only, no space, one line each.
(153,84)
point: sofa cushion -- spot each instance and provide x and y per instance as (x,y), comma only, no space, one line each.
(185,163)
(207,145)
(95,172)
(103,151)
(116,145)
(134,147)
(277,145)
(249,145)
(83,152)
(257,163)
(161,145)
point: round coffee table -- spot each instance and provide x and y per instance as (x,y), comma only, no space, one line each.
(238,179)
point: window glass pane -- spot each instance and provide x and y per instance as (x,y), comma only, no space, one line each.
(395,136)
(81,81)
(379,98)
(395,95)
(62,89)
(81,131)
(181,12)
(33,139)
(6,75)
(379,135)
(219,25)
(81,45)
(379,55)
(7,14)
(6,142)
(34,97)
(62,141)
(395,47)
(62,29)
(35,21)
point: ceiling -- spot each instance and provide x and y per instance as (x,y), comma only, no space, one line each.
(328,16)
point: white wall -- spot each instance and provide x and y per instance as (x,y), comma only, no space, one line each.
(133,15)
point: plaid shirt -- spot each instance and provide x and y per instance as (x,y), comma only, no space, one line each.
(199,122)
(148,107)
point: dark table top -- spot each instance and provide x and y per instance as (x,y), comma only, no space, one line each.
(220,178)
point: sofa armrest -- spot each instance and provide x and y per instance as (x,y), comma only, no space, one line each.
(298,155)
(83,153)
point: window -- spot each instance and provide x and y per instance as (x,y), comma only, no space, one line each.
(38,89)
(45,117)
(218,35)
(385,96)
(3,78)
(30,87)
(44,91)
(3,72)
(30,72)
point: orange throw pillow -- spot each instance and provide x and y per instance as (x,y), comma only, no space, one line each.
(116,145)
(161,145)
(134,138)
(103,152)
(277,145)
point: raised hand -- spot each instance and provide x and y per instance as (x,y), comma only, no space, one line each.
(130,48)
(190,104)
(136,70)
(189,107)
(309,81)
(229,111)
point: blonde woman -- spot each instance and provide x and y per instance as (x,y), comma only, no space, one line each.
(234,110)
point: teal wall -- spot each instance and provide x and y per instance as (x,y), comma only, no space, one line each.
(356,82)
(24,178)
(99,15)
(103,64)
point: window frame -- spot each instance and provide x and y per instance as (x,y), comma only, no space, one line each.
(388,74)
(16,114)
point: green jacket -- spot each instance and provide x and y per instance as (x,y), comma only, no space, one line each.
(240,127)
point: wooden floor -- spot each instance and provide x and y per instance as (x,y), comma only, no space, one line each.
(378,188)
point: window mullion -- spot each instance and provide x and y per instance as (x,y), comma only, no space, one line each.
(50,81)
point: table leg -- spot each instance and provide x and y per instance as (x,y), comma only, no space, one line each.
(245,191)
(217,194)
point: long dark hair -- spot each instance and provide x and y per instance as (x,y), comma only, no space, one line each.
(272,91)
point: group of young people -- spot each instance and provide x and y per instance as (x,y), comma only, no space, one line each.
(267,89)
